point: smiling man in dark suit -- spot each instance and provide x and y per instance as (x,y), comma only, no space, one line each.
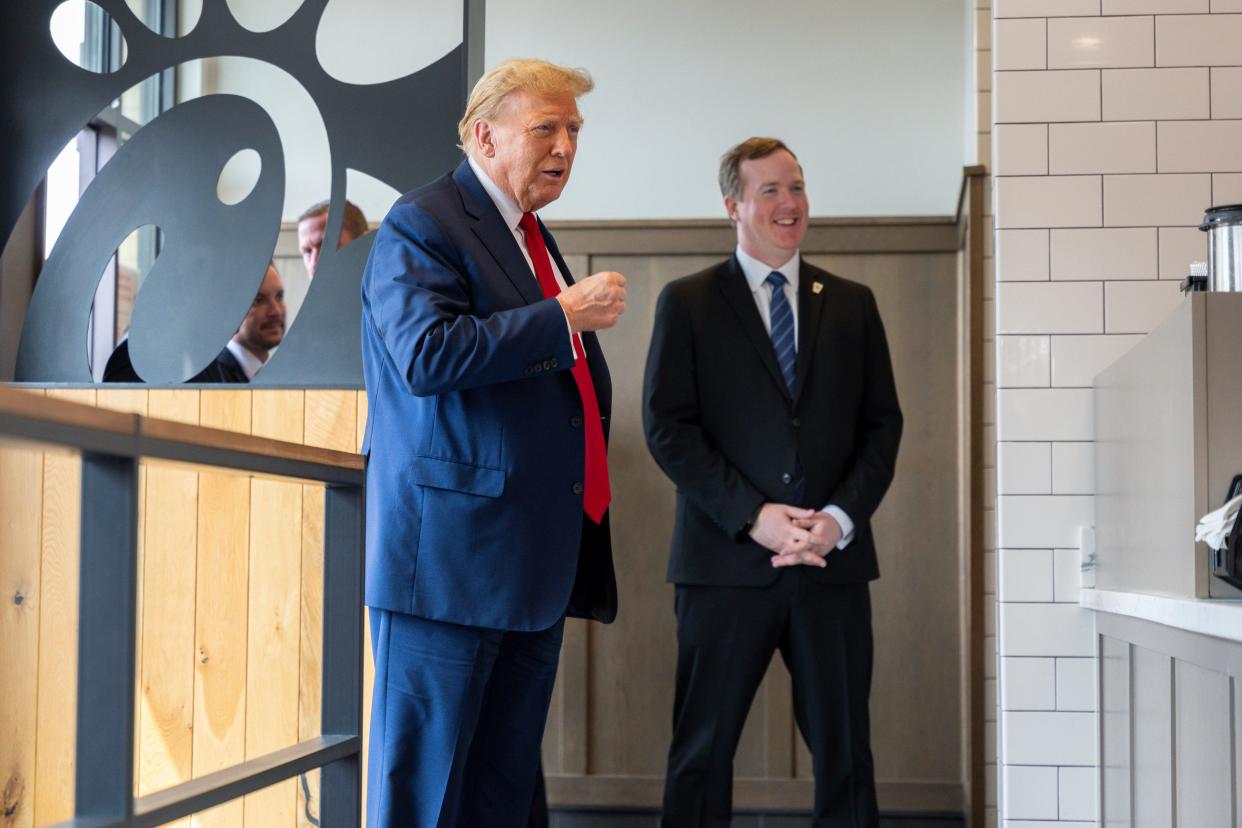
(769,401)
(487,478)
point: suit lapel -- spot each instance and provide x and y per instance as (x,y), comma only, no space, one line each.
(810,311)
(490,229)
(732,283)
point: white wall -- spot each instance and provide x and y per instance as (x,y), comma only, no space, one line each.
(869,93)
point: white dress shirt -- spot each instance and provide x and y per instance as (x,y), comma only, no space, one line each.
(756,273)
(512,215)
(249,363)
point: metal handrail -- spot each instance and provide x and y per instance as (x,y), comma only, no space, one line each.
(112,444)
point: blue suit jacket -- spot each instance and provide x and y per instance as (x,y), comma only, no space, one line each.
(474,430)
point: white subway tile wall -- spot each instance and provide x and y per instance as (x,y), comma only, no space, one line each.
(1154,6)
(1040,97)
(1022,255)
(1025,149)
(1076,684)
(1077,359)
(1030,683)
(1106,151)
(1163,94)
(1050,201)
(1031,792)
(1226,188)
(1179,246)
(1200,146)
(1021,43)
(1198,39)
(1073,468)
(1067,575)
(1026,575)
(1023,362)
(1123,253)
(1138,307)
(1048,738)
(1226,92)
(1103,42)
(1153,200)
(1104,147)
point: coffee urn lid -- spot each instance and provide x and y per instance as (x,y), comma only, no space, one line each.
(1224,214)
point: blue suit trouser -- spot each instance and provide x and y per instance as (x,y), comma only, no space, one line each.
(457,721)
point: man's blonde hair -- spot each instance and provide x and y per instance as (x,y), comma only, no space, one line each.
(539,77)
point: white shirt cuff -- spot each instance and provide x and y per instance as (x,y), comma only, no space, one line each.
(847,525)
(570,329)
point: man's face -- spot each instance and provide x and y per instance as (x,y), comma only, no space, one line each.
(264,325)
(528,150)
(310,240)
(772,212)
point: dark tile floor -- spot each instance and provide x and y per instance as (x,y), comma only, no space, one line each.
(613,819)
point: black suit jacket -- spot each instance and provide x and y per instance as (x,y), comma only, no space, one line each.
(224,368)
(721,423)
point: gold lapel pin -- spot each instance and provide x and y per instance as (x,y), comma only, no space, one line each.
(817,288)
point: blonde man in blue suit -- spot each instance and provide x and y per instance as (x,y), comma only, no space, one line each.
(487,483)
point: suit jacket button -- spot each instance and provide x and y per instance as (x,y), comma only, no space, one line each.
(537,367)
(797,422)
(577,488)
(575,421)
(547,365)
(555,362)
(786,478)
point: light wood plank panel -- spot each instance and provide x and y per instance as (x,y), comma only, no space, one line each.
(166,689)
(133,401)
(221,610)
(272,680)
(225,409)
(273,639)
(331,422)
(368,661)
(58,626)
(21,494)
(278,415)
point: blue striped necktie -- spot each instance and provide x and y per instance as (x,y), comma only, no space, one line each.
(783,339)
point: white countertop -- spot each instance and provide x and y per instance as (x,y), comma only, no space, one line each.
(1217,617)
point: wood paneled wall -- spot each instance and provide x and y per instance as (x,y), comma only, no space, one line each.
(229,607)
(231,573)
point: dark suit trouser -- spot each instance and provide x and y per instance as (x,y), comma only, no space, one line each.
(725,640)
(457,720)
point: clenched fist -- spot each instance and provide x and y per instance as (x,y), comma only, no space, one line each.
(595,302)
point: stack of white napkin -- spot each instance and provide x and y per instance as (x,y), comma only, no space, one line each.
(1214,527)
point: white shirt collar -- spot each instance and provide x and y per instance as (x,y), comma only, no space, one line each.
(249,363)
(756,272)
(509,209)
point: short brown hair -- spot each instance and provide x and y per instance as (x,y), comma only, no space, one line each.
(518,74)
(752,149)
(354,223)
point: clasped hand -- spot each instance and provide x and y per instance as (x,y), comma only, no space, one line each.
(797,536)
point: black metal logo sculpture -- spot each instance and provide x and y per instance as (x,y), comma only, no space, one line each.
(402,132)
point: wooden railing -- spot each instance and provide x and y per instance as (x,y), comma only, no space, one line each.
(111,445)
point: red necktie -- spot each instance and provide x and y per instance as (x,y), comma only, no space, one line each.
(596,491)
